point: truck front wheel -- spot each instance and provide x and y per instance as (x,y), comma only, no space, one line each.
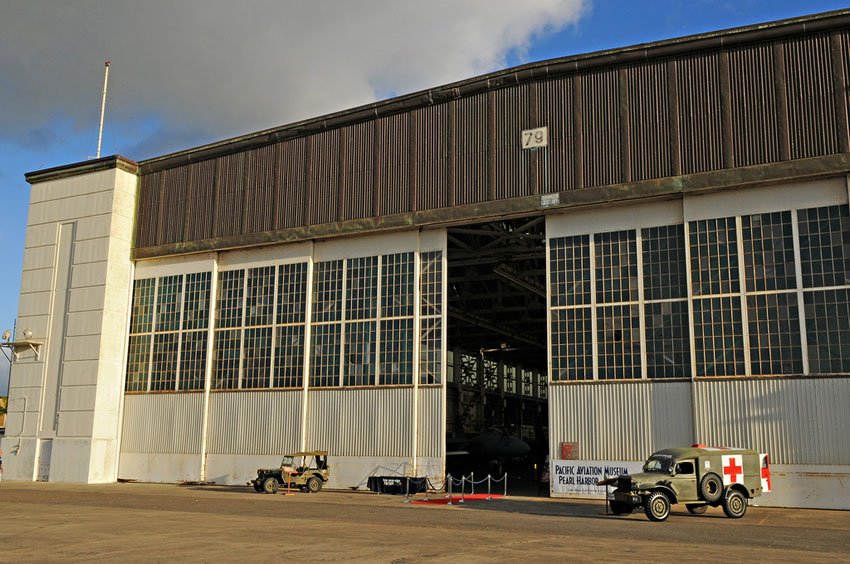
(657,506)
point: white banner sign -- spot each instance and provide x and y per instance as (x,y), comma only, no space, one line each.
(580,476)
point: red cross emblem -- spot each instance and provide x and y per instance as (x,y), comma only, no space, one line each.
(733,469)
(765,474)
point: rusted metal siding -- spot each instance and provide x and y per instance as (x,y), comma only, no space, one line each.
(810,96)
(260,190)
(600,128)
(430,423)
(200,206)
(511,170)
(392,174)
(648,116)
(229,195)
(429,144)
(254,422)
(621,119)
(147,213)
(557,112)
(357,177)
(798,421)
(624,421)
(172,219)
(361,422)
(471,149)
(162,423)
(755,138)
(291,183)
(699,113)
(323,178)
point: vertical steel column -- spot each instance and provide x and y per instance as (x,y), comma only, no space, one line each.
(208,365)
(308,315)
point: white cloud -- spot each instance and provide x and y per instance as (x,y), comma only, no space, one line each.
(226,68)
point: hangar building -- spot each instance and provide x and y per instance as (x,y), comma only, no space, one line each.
(603,255)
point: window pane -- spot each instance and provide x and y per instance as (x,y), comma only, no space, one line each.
(138,363)
(825,246)
(828,331)
(193,358)
(260,301)
(141,320)
(289,356)
(664,262)
(618,340)
(397,351)
(769,251)
(361,300)
(572,344)
(196,314)
(327,291)
(431,283)
(292,293)
(168,296)
(667,340)
(397,285)
(718,337)
(164,369)
(430,350)
(714,257)
(229,298)
(616,267)
(569,263)
(324,356)
(256,357)
(360,353)
(774,324)
(226,359)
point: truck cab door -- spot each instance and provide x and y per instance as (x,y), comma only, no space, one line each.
(685,480)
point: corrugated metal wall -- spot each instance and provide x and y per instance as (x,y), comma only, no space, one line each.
(620,421)
(746,105)
(798,421)
(255,422)
(431,418)
(162,423)
(361,422)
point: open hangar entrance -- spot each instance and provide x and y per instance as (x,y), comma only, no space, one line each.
(497,407)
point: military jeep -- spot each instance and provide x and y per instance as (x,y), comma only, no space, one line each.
(307,471)
(699,477)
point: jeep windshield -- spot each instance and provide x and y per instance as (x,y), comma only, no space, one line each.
(659,463)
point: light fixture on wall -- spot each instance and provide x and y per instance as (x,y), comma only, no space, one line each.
(27,334)
(7,335)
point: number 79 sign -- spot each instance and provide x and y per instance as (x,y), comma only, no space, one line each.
(533,138)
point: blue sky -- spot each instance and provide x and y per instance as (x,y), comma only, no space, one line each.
(189,73)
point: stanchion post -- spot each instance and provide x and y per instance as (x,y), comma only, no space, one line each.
(450,488)
(462,488)
(506,484)
(488,487)
(472,481)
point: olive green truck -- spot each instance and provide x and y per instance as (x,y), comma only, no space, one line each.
(698,476)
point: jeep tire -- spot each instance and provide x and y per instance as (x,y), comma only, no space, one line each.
(270,485)
(314,485)
(621,508)
(258,486)
(657,506)
(734,504)
(711,487)
(696,508)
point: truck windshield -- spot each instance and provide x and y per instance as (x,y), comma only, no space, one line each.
(659,463)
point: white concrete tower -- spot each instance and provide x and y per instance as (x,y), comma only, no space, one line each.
(66,384)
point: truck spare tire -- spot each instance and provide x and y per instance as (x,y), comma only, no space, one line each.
(711,487)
